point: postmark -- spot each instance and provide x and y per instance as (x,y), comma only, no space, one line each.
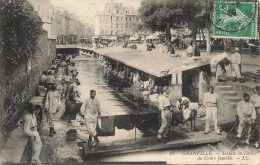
(235,19)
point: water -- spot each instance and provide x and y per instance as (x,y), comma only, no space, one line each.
(123,121)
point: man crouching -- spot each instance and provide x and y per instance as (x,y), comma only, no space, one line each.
(247,115)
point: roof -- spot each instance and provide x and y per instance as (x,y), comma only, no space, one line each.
(153,63)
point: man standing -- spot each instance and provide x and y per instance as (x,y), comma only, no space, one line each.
(91,111)
(246,114)
(255,99)
(166,114)
(50,80)
(235,62)
(52,106)
(210,102)
(30,128)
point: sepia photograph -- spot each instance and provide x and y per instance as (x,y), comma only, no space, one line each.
(130,82)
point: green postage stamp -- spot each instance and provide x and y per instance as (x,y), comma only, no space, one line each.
(235,19)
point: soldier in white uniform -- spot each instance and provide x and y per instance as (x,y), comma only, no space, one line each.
(210,101)
(255,99)
(235,62)
(52,106)
(30,128)
(166,114)
(91,111)
(247,115)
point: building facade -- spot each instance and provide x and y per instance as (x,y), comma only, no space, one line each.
(43,9)
(116,19)
(59,23)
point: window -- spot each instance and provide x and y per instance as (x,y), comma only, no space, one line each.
(111,32)
(117,11)
(109,11)
(126,11)
(130,25)
(116,25)
(126,25)
(117,18)
(130,19)
(126,18)
(111,18)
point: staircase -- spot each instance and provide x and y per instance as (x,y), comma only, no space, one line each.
(228,99)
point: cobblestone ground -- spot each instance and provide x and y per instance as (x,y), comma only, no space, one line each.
(56,149)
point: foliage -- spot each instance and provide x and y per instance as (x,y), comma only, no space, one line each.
(21,28)
(161,15)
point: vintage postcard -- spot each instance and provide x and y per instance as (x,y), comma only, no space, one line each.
(130,82)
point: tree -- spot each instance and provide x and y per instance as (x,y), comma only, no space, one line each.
(21,29)
(162,15)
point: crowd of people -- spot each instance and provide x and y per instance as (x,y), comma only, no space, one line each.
(248,110)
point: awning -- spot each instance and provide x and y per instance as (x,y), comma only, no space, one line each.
(153,63)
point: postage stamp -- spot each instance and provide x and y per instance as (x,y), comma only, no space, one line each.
(235,19)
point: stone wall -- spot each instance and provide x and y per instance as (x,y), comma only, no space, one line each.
(18,88)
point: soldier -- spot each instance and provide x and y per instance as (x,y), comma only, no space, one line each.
(30,128)
(210,101)
(91,111)
(166,114)
(52,106)
(247,115)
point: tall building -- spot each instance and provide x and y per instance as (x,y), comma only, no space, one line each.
(116,19)
(43,9)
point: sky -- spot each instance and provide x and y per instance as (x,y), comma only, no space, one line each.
(86,9)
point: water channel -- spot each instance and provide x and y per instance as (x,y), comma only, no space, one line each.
(123,120)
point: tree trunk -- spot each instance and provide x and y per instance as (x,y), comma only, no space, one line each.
(168,33)
(194,43)
(225,44)
(208,45)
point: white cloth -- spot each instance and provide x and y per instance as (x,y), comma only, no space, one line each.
(186,114)
(255,99)
(146,84)
(211,112)
(189,49)
(176,76)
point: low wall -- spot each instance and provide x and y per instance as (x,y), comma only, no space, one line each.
(16,89)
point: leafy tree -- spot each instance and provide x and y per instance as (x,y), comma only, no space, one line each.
(21,28)
(162,15)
